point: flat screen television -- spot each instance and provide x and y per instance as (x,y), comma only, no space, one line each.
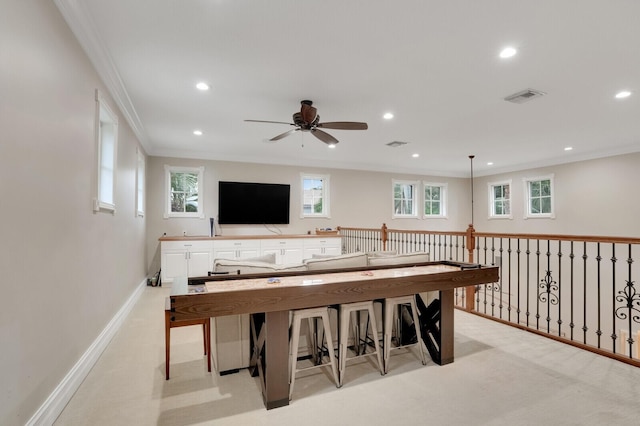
(246,203)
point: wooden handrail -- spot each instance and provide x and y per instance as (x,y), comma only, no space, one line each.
(542,287)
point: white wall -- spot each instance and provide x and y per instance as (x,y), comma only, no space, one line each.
(65,271)
(358,199)
(595,197)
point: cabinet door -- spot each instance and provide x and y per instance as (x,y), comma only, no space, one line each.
(236,249)
(292,255)
(324,246)
(287,250)
(276,251)
(247,252)
(224,253)
(200,263)
(333,250)
(174,264)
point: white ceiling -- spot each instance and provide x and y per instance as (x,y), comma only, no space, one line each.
(434,64)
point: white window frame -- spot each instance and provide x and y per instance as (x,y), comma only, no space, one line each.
(414,200)
(325,195)
(491,193)
(167,203)
(527,210)
(140,182)
(106,142)
(443,200)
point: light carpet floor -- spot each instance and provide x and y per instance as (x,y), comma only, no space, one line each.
(501,376)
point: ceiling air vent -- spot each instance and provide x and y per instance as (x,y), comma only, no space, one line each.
(524,96)
(396,144)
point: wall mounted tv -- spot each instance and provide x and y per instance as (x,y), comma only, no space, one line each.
(246,203)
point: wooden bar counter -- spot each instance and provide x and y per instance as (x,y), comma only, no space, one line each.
(241,294)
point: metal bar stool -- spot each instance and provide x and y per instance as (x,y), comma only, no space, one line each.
(294,337)
(390,310)
(344,320)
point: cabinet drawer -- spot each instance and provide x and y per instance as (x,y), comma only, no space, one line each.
(281,243)
(186,245)
(236,244)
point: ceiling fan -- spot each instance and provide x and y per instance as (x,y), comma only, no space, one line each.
(307,120)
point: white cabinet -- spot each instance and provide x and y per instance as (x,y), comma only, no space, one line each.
(287,250)
(193,258)
(185,259)
(324,246)
(236,249)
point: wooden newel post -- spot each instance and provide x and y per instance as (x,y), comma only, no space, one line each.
(471,246)
(384,235)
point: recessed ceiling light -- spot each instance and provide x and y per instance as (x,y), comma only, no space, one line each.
(623,94)
(202,86)
(490,163)
(508,52)
(416,155)
(568,148)
(197,132)
(332,145)
(387,116)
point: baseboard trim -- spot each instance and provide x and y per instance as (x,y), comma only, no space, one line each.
(60,397)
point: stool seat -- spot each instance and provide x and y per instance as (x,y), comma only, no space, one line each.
(390,305)
(296,319)
(344,314)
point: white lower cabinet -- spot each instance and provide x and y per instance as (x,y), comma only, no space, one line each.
(236,249)
(286,250)
(185,259)
(230,346)
(330,246)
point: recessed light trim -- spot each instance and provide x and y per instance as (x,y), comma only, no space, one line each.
(623,94)
(508,52)
(202,86)
(197,132)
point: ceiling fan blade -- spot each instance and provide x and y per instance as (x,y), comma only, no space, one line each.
(264,121)
(344,125)
(324,137)
(283,135)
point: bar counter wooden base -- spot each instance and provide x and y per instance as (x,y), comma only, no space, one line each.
(254,294)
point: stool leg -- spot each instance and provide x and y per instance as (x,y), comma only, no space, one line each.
(388,320)
(293,352)
(343,341)
(329,338)
(374,329)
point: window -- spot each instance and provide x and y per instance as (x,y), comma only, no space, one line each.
(140,183)
(500,200)
(106,135)
(184,191)
(435,197)
(404,199)
(539,197)
(315,196)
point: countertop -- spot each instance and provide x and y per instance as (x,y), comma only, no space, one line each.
(244,237)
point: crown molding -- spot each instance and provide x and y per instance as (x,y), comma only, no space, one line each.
(80,22)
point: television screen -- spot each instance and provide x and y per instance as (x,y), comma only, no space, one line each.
(245,203)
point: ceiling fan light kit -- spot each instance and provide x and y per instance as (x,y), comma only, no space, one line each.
(308,120)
